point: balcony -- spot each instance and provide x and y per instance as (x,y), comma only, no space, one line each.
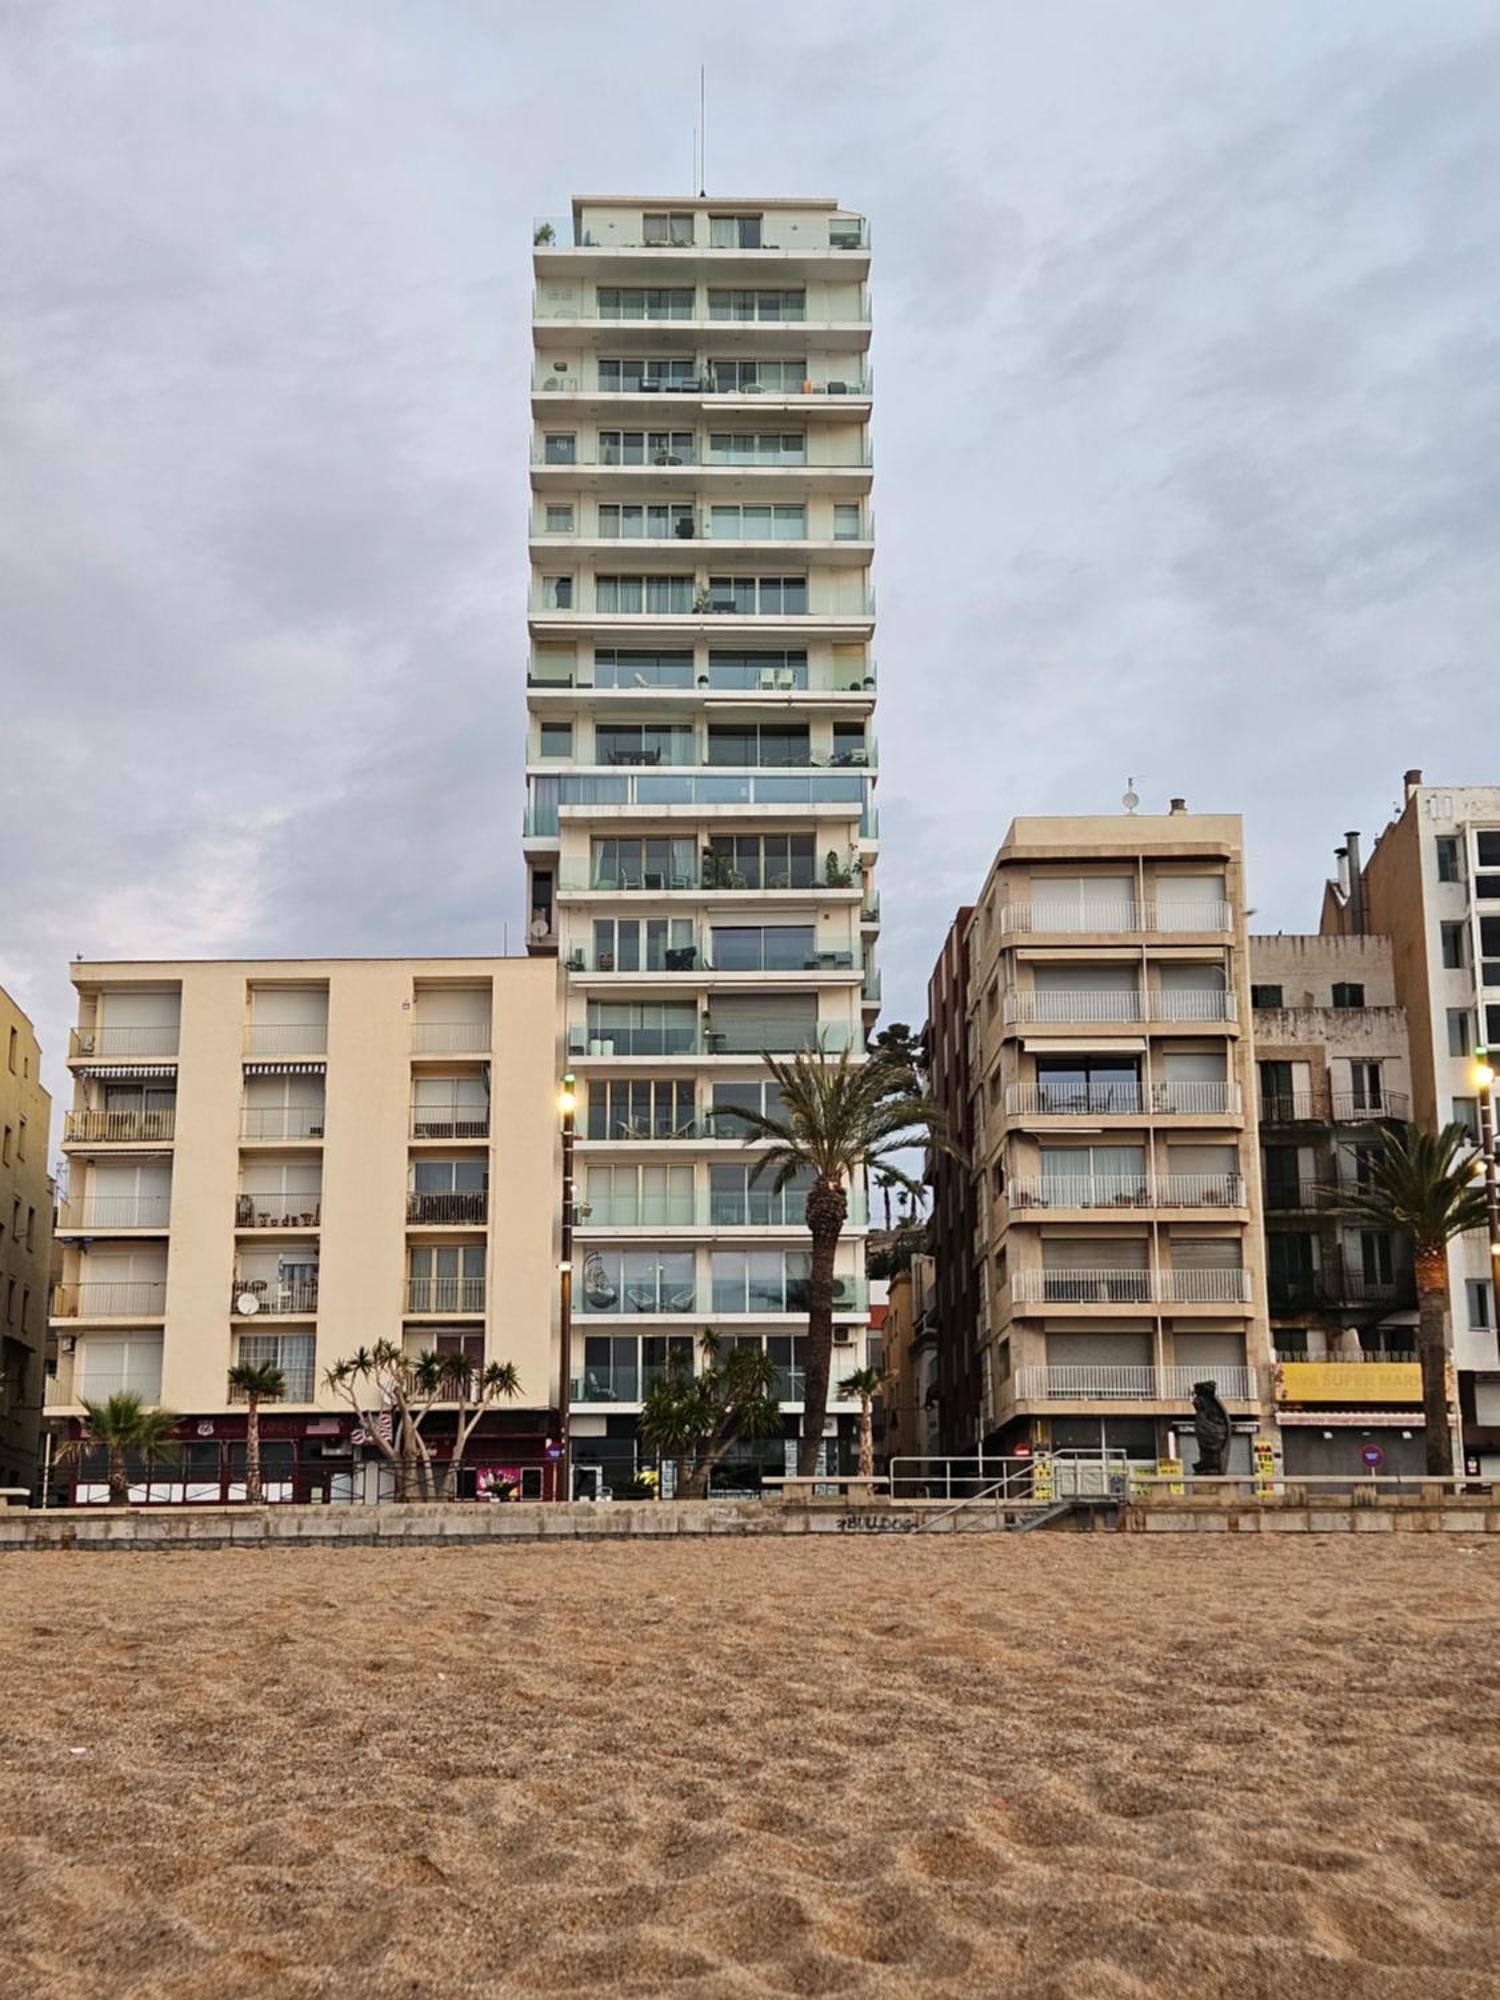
(111,1298)
(696,603)
(847,241)
(660,1299)
(451,1119)
(291,1210)
(690,958)
(451,1038)
(281,1121)
(1051,1191)
(1115,919)
(251,1298)
(142,1044)
(1332,1286)
(286,1038)
(117,1211)
(299,1381)
(1360,1106)
(689,678)
(751,1037)
(119,1128)
(1377,1379)
(439,1297)
(689,756)
(1130,1287)
(807,878)
(1289,1107)
(448,1210)
(817,454)
(1131,1384)
(1292,1197)
(756,1209)
(1122,1100)
(1075,1009)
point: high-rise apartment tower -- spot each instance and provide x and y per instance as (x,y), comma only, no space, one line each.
(700,827)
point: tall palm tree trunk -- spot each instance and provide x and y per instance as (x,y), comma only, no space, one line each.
(1432,1345)
(119,1479)
(866,1439)
(255,1492)
(827,1206)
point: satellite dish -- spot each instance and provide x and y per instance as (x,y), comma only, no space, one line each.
(1132,798)
(247,1303)
(539,927)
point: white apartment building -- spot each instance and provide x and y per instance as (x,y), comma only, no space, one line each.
(700,830)
(1432,885)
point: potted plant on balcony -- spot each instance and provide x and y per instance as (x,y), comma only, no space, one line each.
(544,233)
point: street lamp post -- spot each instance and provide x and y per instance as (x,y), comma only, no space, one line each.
(567,1104)
(1484,1083)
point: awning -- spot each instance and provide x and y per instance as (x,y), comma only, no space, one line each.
(133,1072)
(285,1069)
(1361,1420)
(1065,1044)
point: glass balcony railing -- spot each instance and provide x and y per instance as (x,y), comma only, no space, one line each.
(852,379)
(831,454)
(712,875)
(716,677)
(653,788)
(626,232)
(829,604)
(661,1299)
(746,1036)
(698,958)
(755,1208)
(686,755)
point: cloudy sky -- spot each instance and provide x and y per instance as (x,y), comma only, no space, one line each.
(1188,388)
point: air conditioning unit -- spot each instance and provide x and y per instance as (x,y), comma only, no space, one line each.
(843,1336)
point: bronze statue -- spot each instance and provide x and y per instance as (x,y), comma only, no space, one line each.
(1211,1427)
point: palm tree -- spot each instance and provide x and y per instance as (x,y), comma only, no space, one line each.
(475,1390)
(696,1418)
(866,1383)
(122,1423)
(1422,1185)
(257,1382)
(836,1117)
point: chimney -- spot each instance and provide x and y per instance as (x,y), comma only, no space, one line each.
(1411,780)
(1179,805)
(1341,868)
(1356,886)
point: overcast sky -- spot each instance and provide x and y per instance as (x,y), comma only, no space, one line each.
(1186,440)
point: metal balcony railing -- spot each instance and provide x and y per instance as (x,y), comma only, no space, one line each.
(294,1209)
(125,1128)
(440,1296)
(1156,1004)
(451,1118)
(452,1209)
(281,1121)
(1130,1384)
(111,1298)
(1288,1197)
(1112,918)
(123,1044)
(1130,1287)
(1122,1100)
(1288,1107)
(120,1211)
(1127,1191)
(272,1296)
(286,1038)
(695,958)
(451,1037)
(1355,1107)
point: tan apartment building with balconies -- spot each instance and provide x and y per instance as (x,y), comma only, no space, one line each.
(26,1200)
(701,832)
(289,1160)
(1119,1245)
(1332,1065)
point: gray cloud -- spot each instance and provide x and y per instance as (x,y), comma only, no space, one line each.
(1186,392)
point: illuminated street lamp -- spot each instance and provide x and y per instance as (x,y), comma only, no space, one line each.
(1484,1084)
(567,1104)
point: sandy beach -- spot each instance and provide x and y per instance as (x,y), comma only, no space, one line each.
(1057,1766)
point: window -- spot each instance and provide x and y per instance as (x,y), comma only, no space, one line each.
(764,947)
(1449,858)
(559,520)
(21,1139)
(761,861)
(758,524)
(846,521)
(5,1145)
(850,745)
(1265,996)
(644,944)
(15,1042)
(1460,1031)
(1453,946)
(640,1108)
(1466,1113)
(672,227)
(106,1366)
(735,1198)
(642,743)
(645,302)
(756,305)
(638,1281)
(642,1027)
(632,372)
(758,596)
(764,1281)
(784,672)
(1365,1086)
(657,523)
(733,232)
(655,594)
(557,739)
(732,1098)
(560,448)
(1348,994)
(757,447)
(292,1353)
(614,667)
(747,745)
(783,377)
(646,448)
(557,593)
(1487,849)
(1481,1302)
(31,1229)
(654,862)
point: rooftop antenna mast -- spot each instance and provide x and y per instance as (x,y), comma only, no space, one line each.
(702,132)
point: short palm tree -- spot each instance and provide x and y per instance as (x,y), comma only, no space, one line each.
(122,1424)
(1421,1185)
(836,1118)
(866,1383)
(696,1418)
(258,1382)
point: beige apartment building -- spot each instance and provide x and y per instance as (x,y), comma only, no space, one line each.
(289,1160)
(701,831)
(1332,1064)
(1431,886)
(1119,1229)
(25,1242)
